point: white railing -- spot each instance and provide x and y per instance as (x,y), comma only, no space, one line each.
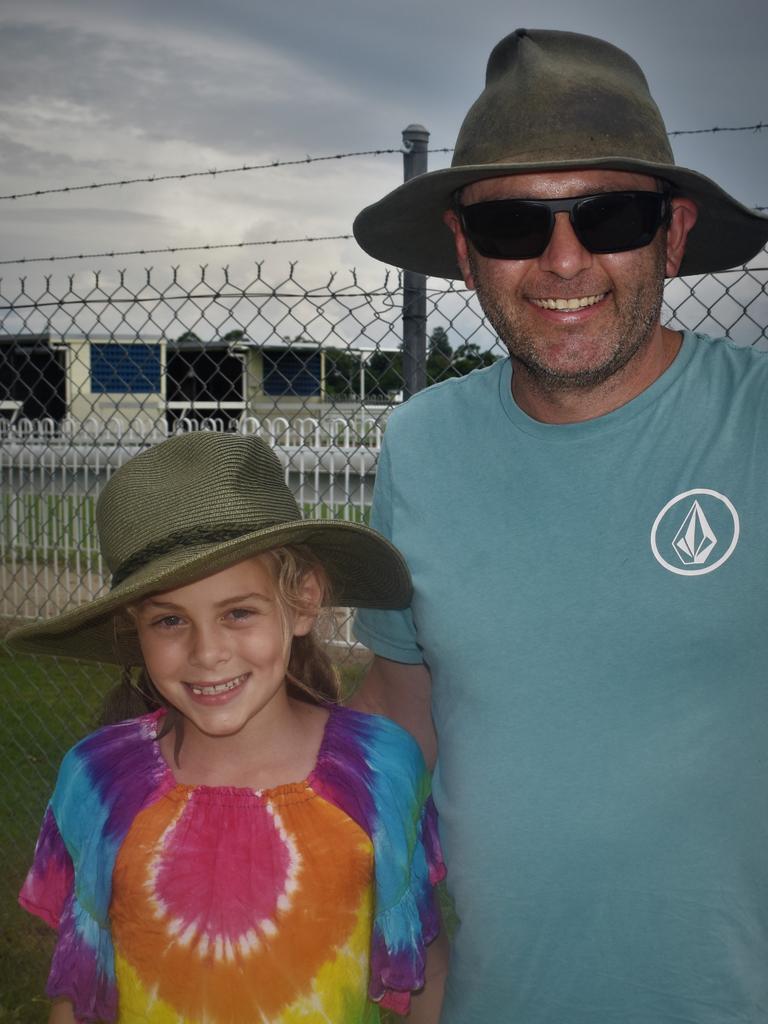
(50,476)
(361,429)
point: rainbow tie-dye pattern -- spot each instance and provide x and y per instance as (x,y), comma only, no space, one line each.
(310,903)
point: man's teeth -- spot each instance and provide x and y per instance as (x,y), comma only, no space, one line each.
(563,304)
(217,687)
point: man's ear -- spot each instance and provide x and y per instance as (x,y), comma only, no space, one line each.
(311,597)
(684,216)
(460,241)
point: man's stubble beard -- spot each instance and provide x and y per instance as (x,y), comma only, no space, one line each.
(635,324)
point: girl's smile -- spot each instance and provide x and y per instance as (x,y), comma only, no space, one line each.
(208,691)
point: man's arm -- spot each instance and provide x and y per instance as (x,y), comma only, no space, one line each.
(427,1003)
(403,693)
(62,1012)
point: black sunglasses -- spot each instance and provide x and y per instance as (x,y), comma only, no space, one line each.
(520,229)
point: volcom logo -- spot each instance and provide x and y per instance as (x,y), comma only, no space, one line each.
(695,540)
(695,532)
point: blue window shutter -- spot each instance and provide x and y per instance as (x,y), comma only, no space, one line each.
(128,368)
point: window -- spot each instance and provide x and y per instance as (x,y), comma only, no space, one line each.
(291,373)
(196,376)
(127,368)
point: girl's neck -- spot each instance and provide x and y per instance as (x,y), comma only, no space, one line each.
(272,750)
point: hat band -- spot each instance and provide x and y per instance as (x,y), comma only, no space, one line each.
(182,539)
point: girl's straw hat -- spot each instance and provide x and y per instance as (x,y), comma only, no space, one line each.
(555,101)
(192,506)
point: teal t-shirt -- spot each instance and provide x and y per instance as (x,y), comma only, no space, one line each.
(590,599)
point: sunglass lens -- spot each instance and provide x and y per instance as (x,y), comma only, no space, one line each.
(618,221)
(508,230)
(520,229)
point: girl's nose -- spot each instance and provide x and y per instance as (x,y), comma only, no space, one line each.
(209,646)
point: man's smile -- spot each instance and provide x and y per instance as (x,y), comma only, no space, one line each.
(568,304)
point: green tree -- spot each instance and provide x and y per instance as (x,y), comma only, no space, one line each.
(469,356)
(384,374)
(384,369)
(439,356)
(438,343)
(342,373)
(443,361)
(188,336)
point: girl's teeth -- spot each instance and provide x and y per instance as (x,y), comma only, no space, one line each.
(218,687)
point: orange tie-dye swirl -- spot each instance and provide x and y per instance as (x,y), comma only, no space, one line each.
(206,931)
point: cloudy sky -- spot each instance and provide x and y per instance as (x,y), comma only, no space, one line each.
(93,91)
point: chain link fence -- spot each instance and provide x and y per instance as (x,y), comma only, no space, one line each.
(96,366)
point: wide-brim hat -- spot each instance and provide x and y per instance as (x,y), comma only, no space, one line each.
(555,101)
(192,506)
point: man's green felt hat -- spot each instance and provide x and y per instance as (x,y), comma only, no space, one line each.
(554,101)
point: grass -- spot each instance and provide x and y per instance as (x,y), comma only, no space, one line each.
(47,706)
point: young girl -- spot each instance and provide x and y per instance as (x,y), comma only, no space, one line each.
(249,851)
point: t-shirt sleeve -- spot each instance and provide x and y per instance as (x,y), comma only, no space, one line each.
(409,864)
(391,633)
(82,968)
(373,770)
(50,882)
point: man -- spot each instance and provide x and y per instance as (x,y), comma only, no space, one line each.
(586,531)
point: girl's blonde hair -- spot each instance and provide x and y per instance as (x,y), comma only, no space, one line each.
(310,674)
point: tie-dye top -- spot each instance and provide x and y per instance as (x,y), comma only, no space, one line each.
(310,902)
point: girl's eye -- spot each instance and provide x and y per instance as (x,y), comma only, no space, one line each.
(168,622)
(240,614)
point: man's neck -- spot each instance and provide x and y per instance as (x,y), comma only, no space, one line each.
(576,404)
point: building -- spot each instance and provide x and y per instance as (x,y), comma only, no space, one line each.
(96,380)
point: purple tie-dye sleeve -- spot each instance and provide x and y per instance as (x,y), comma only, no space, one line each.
(373,770)
(77,966)
(102,783)
(50,880)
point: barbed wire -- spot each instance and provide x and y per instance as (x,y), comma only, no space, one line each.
(272,164)
(171,249)
(153,178)
(711,131)
(252,167)
(188,248)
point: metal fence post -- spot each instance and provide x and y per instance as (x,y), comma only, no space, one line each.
(415,141)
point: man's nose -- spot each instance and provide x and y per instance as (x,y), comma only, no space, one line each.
(565,256)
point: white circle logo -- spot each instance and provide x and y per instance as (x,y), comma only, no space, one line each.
(695,532)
